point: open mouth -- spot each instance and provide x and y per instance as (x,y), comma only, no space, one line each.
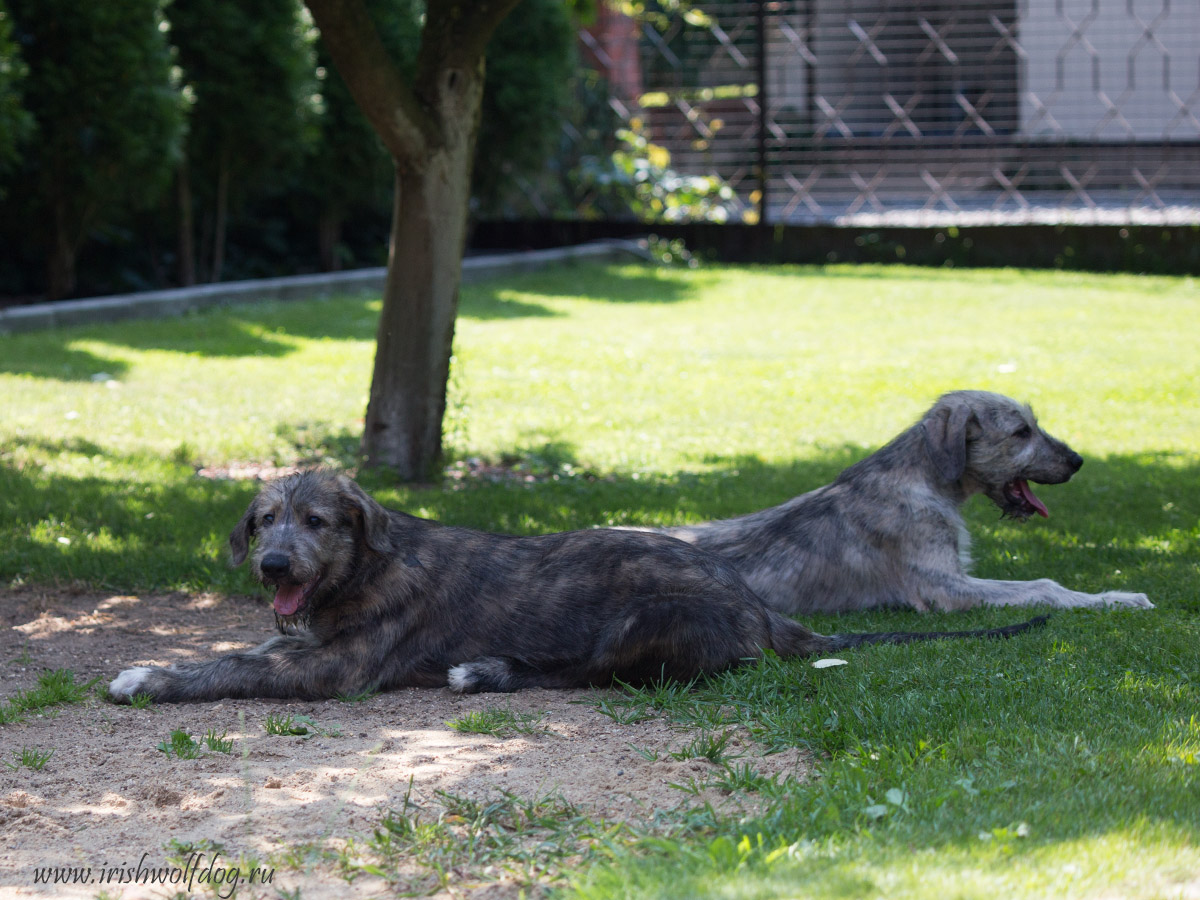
(290,598)
(1021,502)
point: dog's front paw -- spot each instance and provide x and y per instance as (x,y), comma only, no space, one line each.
(130,683)
(1126,600)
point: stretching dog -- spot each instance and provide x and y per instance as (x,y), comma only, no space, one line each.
(375,598)
(888,531)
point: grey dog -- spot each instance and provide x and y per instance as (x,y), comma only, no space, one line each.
(369,597)
(888,531)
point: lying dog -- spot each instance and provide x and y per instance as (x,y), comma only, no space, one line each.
(380,599)
(888,531)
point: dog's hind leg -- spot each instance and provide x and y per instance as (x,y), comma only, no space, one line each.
(504,674)
(676,636)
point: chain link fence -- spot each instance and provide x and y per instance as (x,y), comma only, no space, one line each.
(919,112)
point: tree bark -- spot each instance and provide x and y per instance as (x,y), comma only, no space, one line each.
(403,428)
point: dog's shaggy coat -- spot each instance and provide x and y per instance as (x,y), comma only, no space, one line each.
(888,531)
(373,598)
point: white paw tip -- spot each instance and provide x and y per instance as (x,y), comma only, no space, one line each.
(458,678)
(129,682)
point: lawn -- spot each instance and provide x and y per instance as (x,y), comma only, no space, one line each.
(1064,763)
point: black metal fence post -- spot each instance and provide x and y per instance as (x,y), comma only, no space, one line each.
(760,49)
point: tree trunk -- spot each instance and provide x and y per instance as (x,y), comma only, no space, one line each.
(403,429)
(220,223)
(429,126)
(187,235)
(60,265)
(329,236)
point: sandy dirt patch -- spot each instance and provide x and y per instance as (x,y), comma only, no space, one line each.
(108,800)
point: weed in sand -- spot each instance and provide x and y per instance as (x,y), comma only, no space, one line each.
(283,725)
(57,688)
(646,753)
(217,744)
(621,711)
(181,745)
(500,722)
(706,745)
(30,758)
(288,725)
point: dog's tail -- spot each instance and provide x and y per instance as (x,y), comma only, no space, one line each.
(846,641)
(795,643)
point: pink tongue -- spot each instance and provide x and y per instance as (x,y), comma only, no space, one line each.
(287,598)
(1022,484)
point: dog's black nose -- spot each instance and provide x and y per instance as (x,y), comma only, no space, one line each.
(1075,461)
(275,565)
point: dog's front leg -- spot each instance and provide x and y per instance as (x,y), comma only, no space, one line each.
(292,666)
(1042,592)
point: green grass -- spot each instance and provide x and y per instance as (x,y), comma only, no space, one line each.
(499,722)
(284,725)
(1059,763)
(291,725)
(181,745)
(217,743)
(54,689)
(29,758)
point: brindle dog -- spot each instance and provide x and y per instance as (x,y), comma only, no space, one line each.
(373,598)
(888,531)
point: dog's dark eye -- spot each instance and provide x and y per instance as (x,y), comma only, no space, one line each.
(1023,432)
(268,518)
(315,521)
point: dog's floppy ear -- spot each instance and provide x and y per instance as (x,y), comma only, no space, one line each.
(243,531)
(370,516)
(945,432)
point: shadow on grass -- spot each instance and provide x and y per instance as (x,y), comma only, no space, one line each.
(624,285)
(486,303)
(272,329)
(1128,523)
(44,356)
(633,285)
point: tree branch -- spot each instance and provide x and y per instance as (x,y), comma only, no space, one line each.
(389,103)
(457,31)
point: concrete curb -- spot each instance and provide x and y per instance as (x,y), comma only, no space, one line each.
(178,301)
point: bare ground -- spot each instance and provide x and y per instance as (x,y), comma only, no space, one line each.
(304,806)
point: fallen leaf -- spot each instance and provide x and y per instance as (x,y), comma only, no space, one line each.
(826,663)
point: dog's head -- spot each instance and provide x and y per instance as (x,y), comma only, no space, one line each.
(308,531)
(992,444)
